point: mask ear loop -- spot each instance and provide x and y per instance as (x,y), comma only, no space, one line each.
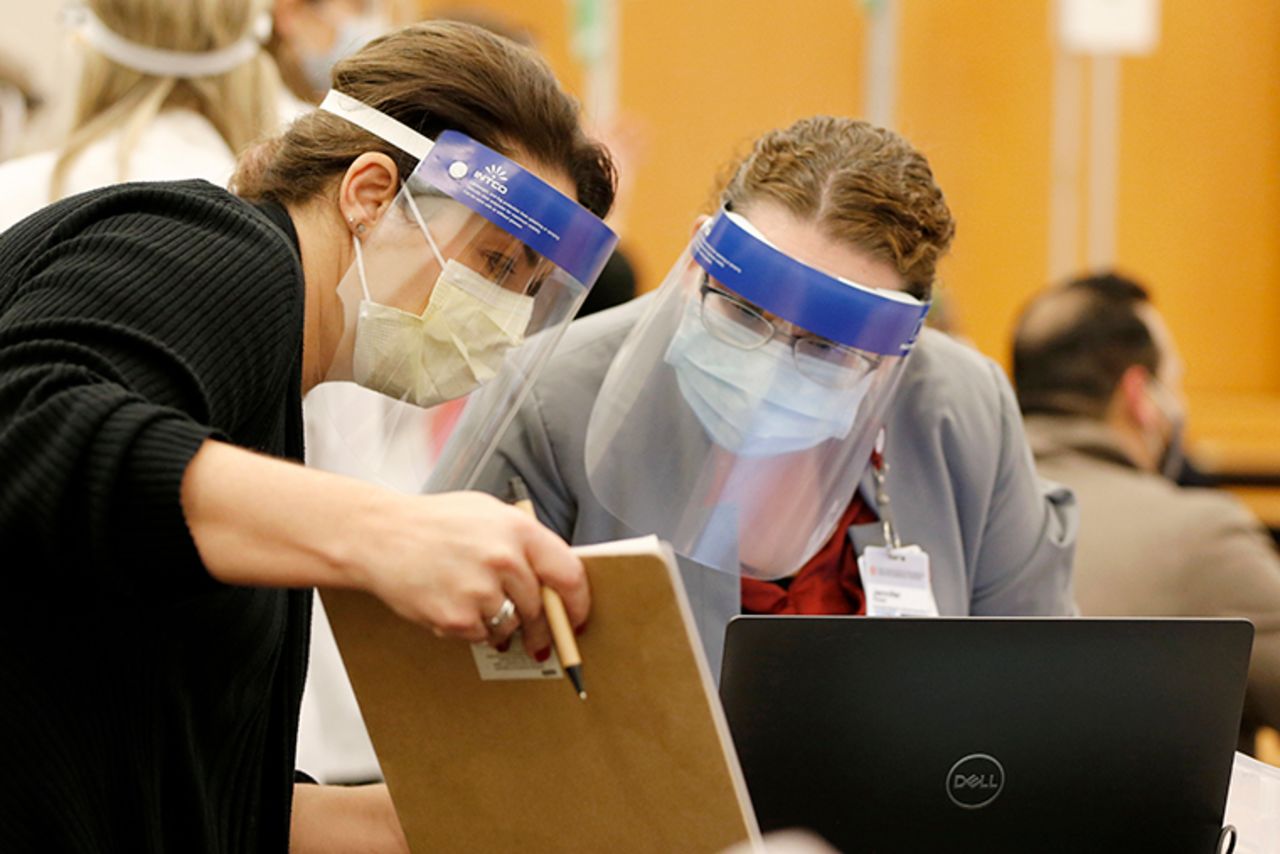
(359,250)
(892,544)
(364,283)
(417,215)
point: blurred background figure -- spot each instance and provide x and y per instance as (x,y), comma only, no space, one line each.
(1099,380)
(165,91)
(309,36)
(18,104)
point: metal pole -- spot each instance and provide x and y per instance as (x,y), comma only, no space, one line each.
(1065,164)
(1104,155)
(597,45)
(881,78)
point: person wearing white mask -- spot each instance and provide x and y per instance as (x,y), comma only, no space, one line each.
(760,409)
(431,228)
(312,35)
(165,91)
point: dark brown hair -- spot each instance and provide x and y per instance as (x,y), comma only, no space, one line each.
(435,76)
(1074,342)
(863,185)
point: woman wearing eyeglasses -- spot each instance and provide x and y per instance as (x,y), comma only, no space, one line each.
(762,406)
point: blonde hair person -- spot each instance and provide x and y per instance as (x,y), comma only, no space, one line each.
(166,90)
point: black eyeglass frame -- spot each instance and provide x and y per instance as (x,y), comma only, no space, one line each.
(850,358)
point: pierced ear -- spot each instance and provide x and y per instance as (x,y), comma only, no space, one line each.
(368,189)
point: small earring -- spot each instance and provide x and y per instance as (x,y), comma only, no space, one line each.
(360,228)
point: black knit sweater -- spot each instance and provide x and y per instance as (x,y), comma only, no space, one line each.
(144,706)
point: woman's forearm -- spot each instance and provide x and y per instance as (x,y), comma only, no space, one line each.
(446,561)
(261,521)
(338,819)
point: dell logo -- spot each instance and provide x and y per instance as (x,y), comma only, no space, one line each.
(975,781)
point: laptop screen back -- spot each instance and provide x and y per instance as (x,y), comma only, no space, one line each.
(988,734)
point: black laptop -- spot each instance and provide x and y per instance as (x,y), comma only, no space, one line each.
(991,735)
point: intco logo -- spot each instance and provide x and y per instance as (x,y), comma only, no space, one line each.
(975,781)
(494,176)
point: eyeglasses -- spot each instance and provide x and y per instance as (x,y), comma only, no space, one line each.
(740,324)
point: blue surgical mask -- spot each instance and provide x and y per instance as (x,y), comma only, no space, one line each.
(754,402)
(354,33)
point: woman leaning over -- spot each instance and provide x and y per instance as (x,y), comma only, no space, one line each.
(155,344)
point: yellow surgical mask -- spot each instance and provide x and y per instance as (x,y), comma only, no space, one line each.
(456,344)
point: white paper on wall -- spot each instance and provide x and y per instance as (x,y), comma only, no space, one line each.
(1109,26)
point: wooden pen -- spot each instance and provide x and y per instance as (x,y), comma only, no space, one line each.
(553,606)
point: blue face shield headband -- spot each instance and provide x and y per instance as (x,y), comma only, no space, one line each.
(735,254)
(494,187)
(760,390)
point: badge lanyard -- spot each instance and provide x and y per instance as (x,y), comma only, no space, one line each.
(895,578)
(879,468)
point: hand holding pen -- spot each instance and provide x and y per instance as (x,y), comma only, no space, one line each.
(553,607)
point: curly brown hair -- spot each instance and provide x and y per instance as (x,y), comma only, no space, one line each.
(436,76)
(863,185)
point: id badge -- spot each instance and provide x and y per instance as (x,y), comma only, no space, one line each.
(896,582)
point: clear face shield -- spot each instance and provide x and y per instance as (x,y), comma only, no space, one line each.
(468,279)
(739,415)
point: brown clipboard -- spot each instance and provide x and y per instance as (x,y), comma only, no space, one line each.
(644,764)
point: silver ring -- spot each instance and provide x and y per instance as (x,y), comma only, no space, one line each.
(505,612)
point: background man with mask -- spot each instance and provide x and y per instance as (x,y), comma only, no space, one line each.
(1099,380)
